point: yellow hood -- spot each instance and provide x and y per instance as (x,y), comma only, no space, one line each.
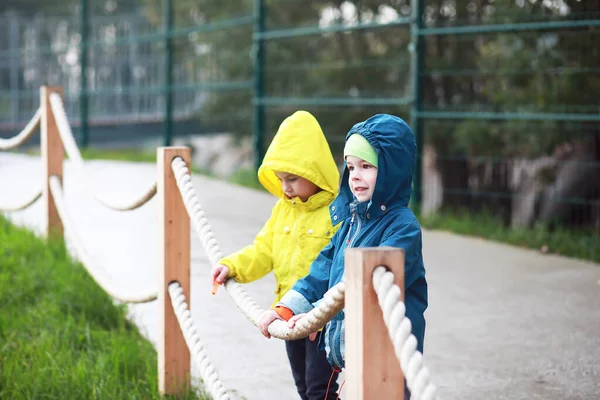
(296,232)
(299,148)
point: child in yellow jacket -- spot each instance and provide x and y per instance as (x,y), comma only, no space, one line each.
(300,170)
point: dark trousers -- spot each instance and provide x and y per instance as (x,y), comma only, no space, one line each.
(311,370)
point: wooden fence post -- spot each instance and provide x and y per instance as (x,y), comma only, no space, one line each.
(53,155)
(372,369)
(174,226)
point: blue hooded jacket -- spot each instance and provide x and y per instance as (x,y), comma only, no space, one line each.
(384,221)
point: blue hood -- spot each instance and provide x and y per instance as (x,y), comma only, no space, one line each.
(396,147)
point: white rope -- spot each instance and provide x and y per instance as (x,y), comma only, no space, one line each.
(11,207)
(64,129)
(207,371)
(313,321)
(400,331)
(24,135)
(102,279)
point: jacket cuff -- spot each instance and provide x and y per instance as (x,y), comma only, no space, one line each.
(226,262)
(295,302)
(284,312)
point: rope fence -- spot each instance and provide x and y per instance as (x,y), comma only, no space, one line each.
(21,206)
(370,294)
(14,142)
(208,372)
(70,145)
(399,329)
(100,276)
(24,135)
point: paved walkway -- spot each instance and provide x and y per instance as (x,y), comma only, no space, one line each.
(503,322)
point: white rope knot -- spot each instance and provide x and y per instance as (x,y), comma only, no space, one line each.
(400,332)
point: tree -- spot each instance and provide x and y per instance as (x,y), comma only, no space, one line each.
(336,65)
(521,72)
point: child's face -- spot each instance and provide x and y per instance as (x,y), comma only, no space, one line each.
(363,177)
(296,186)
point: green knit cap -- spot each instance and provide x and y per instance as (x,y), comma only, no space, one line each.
(358,146)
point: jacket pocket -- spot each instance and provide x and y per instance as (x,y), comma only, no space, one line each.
(320,233)
(283,243)
(316,239)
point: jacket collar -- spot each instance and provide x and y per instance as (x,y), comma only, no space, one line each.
(342,209)
(316,201)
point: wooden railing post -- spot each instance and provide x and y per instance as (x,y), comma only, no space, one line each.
(53,155)
(174,227)
(372,369)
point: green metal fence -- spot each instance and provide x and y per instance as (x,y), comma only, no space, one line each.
(512,110)
(502,95)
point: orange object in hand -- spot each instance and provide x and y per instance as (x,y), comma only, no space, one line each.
(215,287)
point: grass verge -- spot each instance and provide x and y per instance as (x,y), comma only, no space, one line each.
(134,155)
(61,336)
(567,242)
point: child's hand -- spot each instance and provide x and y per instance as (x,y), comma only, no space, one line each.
(265,320)
(292,323)
(220,273)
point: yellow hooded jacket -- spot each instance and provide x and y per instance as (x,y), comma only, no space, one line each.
(296,231)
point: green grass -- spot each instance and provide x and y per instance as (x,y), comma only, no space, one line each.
(134,155)
(571,243)
(246,177)
(61,336)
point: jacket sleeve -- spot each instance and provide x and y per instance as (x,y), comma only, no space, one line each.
(407,236)
(253,261)
(308,290)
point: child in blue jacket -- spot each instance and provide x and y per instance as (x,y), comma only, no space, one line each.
(376,186)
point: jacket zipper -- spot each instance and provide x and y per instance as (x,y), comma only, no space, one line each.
(355,234)
(336,332)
